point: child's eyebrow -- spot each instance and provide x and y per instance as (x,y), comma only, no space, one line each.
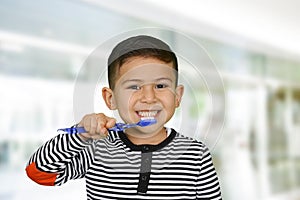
(131,80)
(164,79)
(140,81)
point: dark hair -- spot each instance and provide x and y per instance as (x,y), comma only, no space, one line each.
(139,46)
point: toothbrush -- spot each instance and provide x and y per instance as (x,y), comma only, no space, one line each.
(118,126)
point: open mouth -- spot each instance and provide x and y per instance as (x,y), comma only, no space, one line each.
(147,113)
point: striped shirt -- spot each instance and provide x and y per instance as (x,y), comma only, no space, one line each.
(115,168)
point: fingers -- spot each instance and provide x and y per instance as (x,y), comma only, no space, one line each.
(96,125)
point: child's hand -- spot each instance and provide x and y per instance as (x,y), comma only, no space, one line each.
(96,126)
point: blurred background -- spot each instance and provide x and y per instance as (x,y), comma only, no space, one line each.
(255,46)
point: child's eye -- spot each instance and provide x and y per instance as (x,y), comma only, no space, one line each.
(160,86)
(134,87)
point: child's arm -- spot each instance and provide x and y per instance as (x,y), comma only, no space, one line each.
(60,159)
(208,184)
(68,156)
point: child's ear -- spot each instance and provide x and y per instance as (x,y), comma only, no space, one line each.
(179,93)
(108,97)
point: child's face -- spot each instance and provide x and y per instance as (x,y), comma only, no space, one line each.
(146,87)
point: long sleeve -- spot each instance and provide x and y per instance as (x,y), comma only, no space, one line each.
(60,159)
(208,184)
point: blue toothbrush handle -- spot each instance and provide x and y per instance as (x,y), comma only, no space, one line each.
(76,130)
(73,130)
(117,127)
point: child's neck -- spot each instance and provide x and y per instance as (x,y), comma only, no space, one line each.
(153,139)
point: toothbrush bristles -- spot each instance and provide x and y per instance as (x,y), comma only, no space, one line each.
(146,121)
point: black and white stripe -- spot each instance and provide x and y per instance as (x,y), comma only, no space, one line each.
(115,168)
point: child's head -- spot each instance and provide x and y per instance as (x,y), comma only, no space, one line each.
(139,46)
(143,75)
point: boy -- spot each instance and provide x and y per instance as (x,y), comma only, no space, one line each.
(152,162)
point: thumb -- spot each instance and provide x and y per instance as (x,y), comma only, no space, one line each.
(110,122)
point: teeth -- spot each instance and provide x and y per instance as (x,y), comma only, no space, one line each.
(147,114)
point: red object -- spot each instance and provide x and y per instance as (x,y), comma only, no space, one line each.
(40,177)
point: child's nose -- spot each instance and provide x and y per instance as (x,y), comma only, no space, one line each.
(148,94)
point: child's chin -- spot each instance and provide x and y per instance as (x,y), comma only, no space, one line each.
(148,130)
